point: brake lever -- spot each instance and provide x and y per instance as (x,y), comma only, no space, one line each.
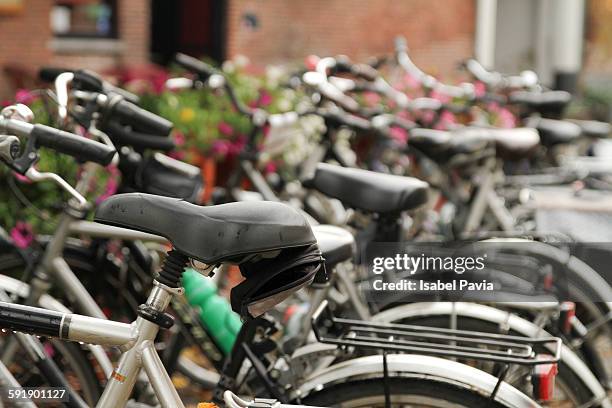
(9,148)
(104,138)
(37,176)
(20,164)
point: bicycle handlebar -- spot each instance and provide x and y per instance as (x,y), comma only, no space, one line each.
(63,142)
(86,80)
(125,136)
(344,65)
(526,79)
(116,107)
(192,64)
(76,146)
(205,71)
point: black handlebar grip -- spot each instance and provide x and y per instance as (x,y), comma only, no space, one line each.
(127,95)
(76,146)
(140,119)
(343,63)
(88,81)
(126,137)
(48,74)
(195,65)
(83,80)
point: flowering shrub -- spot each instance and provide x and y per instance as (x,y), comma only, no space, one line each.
(205,121)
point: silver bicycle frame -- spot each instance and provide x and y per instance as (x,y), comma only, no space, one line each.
(54,265)
(487,198)
(135,340)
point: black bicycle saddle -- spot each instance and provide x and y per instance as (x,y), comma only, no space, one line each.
(368,190)
(214,234)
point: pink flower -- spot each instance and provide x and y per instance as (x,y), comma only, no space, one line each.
(480,89)
(22,234)
(237,145)
(428,116)
(177,154)
(494,107)
(399,135)
(179,138)
(159,82)
(49,350)
(24,96)
(311,62)
(111,184)
(447,119)
(506,119)
(411,82)
(441,97)
(220,147)
(265,99)
(225,128)
(371,98)
(270,168)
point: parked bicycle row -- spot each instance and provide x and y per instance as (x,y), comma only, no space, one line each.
(263,291)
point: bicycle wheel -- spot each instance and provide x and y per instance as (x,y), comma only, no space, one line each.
(403,392)
(72,361)
(81,370)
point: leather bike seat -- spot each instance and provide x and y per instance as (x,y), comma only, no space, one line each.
(336,244)
(547,100)
(553,132)
(214,234)
(367,190)
(594,128)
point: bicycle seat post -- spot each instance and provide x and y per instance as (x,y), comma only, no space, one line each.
(142,353)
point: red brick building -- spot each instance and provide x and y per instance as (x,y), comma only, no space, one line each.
(28,42)
(107,34)
(439,32)
(267,31)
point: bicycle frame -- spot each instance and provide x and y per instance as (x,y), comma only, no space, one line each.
(53,265)
(136,340)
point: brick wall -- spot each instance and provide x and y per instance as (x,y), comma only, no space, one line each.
(27,43)
(23,42)
(439,32)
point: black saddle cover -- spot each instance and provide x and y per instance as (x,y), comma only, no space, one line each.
(214,234)
(272,242)
(368,190)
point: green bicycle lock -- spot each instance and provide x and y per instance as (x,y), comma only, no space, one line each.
(216,314)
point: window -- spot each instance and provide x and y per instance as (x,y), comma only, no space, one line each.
(84,18)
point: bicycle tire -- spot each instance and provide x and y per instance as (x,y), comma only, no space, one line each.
(371,393)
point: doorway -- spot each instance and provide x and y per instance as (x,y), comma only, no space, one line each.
(194,27)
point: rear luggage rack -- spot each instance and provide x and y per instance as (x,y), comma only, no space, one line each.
(434,341)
